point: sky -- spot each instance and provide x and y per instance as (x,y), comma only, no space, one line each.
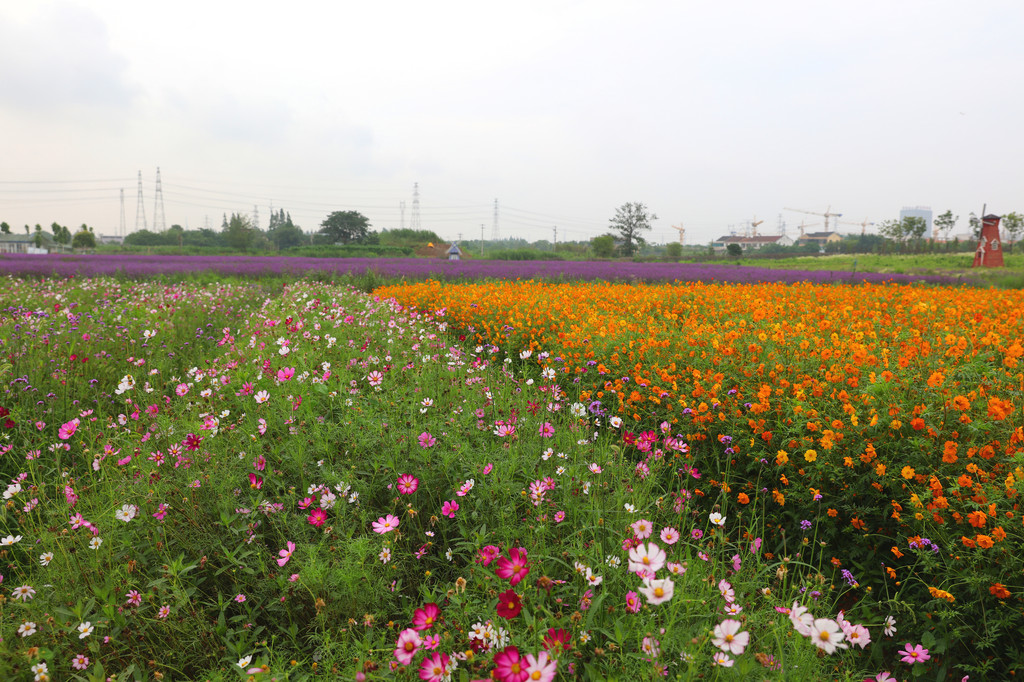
(711,114)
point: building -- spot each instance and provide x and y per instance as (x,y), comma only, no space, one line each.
(750,243)
(26,243)
(919,212)
(454,253)
(820,238)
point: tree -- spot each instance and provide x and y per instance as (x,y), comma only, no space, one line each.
(975,224)
(674,251)
(945,223)
(5,228)
(604,246)
(282,233)
(630,221)
(239,232)
(734,250)
(345,227)
(1013,223)
(84,239)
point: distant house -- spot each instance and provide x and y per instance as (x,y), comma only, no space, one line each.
(750,243)
(820,238)
(26,243)
(454,253)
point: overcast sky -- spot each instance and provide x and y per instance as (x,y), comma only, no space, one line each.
(710,113)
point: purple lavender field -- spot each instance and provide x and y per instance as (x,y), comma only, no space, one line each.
(135,266)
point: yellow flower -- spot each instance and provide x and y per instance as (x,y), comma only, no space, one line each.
(810,455)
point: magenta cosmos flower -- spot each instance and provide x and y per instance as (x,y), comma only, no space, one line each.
(510,666)
(318,517)
(515,567)
(424,618)
(426,440)
(435,667)
(385,524)
(914,654)
(485,555)
(449,508)
(407,484)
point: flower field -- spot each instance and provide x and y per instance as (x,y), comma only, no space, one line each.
(512,481)
(135,266)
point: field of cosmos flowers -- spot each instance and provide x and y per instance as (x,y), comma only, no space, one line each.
(511,480)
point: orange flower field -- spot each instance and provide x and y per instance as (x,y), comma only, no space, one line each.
(895,411)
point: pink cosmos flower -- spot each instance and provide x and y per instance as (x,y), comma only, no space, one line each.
(80,662)
(317,517)
(407,484)
(485,555)
(68,429)
(510,666)
(669,536)
(546,430)
(255,482)
(285,554)
(449,508)
(914,654)
(632,602)
(642,529)
(729,639)
(514,568)
(649,558)
(240,598)
(385,524)
(408,644)
(559,516)
(488,468)
(426,440)
(431,642)
(435,667)
(134,598)
(540,668)
(426,617)
(657,591)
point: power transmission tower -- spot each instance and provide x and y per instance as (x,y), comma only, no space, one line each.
(401,207)
(159,224)
(140,209)
(255,217)
(494,230)
(121,232)
(415,224)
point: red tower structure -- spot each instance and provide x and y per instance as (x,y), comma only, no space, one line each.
(989,253)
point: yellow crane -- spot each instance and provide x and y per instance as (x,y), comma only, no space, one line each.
(863,224)
(753,226)
(682,231)
(826,215)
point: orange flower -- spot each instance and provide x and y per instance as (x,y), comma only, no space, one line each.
(961,403)
(984,541)
(857,523)
(891,572)
(967,541)
(907,472)
(896,551)
(999,591)
(977,519)
(998,534)
(833,513)
(936,379)
(743,498)
(941,594)
(949,452)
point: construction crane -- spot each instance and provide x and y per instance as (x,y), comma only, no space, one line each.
(682,231)
(863,225)
(826,215)
(753,226)
(802,227)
